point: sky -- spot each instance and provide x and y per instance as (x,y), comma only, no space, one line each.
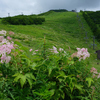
(28,7)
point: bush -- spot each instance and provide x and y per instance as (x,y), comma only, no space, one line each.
(92,25)
(23,20)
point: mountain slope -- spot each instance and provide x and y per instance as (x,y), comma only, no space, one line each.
(61,29)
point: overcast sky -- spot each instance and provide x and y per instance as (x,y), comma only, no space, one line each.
(27,7)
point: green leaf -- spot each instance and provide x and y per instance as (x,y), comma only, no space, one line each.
(28,62)
(50,70)
(52,92)
(30,76)
(17,77)
(89,81)
(34,65)
(78,87)
(16,74)
(22,80)
(71,62)
(30,82)
(62,74)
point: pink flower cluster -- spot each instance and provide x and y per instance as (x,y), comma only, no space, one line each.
(10,32)
(82,53)
(5,48)
(9,38)
(95,73)
(34,52)
(55,50)
(3,32)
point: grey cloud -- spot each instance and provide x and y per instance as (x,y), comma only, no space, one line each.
(35,6)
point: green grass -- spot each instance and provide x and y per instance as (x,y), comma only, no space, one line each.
(61,30)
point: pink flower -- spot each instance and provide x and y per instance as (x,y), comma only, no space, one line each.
(11,32)
(3,32)
(98,76)
(3,57)
(9,38)
(8,58)
(1,38)
(36,50)
(54,50)
(34,53)
(94,70)
(82,53)
(60,49)
(30,50)
(4,41)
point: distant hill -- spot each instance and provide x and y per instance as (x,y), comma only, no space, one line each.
(59,10)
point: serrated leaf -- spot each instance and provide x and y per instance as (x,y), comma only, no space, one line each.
(22,80)
(30,82)
(16,74)
(30,76)
(78,87)
(17,77)
(89,81)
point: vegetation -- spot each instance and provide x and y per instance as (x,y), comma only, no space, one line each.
(59,10)
(23,20)
(38,71)
(92,19)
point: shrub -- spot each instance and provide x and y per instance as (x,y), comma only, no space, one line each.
(23,20)
(92,24)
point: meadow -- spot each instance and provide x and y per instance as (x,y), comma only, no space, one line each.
(62,30)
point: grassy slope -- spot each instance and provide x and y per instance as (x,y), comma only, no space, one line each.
(60,29)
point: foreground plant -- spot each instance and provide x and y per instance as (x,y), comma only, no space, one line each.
(51,75)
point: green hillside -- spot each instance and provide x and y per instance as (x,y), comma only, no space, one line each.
(60,29)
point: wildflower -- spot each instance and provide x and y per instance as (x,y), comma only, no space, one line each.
(36,50)
(54,50)
(1,38)
(3,32)
(5,49)
(98,76)
(30,50)
(9,38)
(81,54)
(93,70)
(8,58)
(33,53)
(60,49)
(10,32)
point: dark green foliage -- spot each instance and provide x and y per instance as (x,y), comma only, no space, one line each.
(23,20)
(59,10)
(95,16)
(92,23)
